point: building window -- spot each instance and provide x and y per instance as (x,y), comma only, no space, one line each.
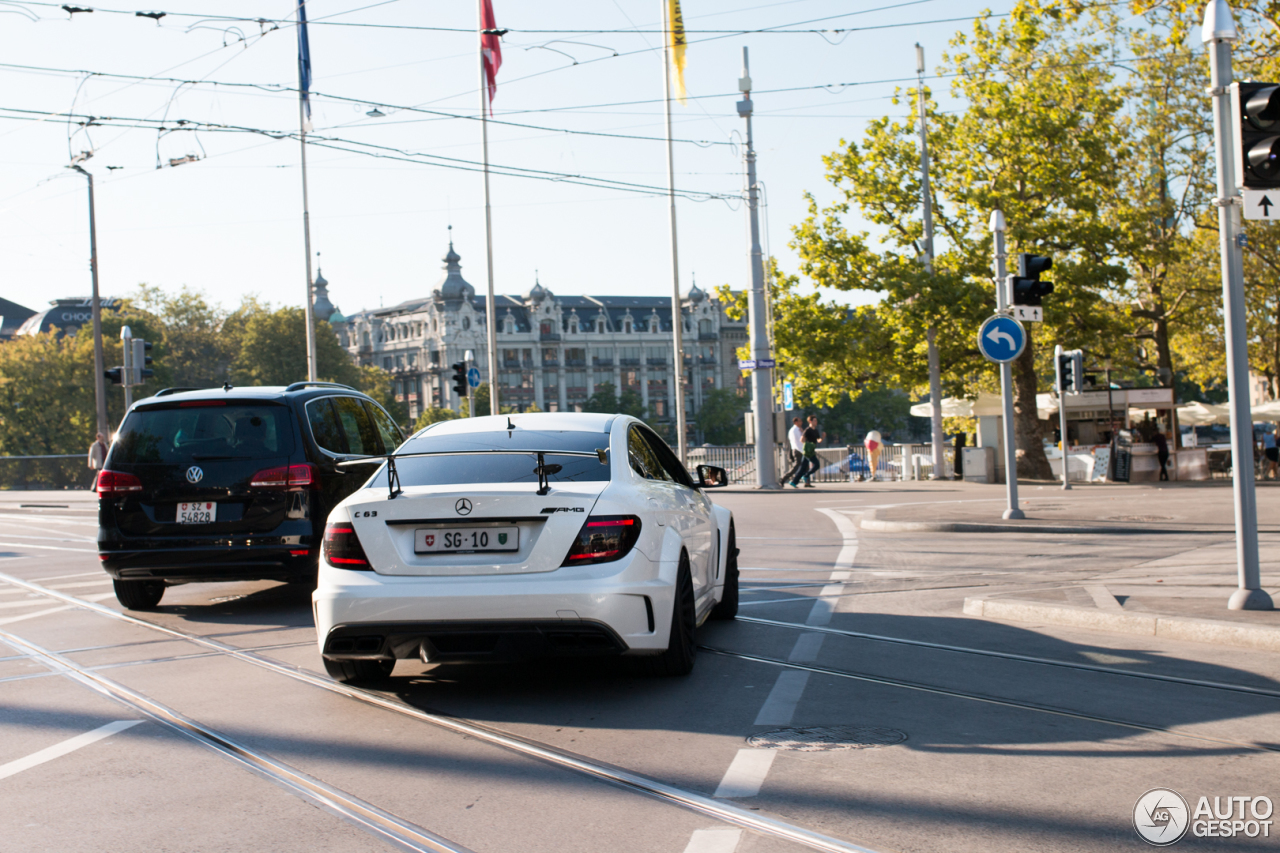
(435,357)
(704,327)
(653,325)
(626,328)
(509,325)
(386,363)
(659,407)
(433,324)
(600,327)
(466,322)
(364,339)
(544,327)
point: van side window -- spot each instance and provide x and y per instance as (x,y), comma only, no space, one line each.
(324,425)
(387,429)
(362,437)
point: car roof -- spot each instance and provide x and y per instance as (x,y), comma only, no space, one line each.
(532,421)
(241,392)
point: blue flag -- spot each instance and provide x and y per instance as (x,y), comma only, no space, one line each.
(304,63)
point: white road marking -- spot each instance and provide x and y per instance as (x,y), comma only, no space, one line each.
(746,774)
(60,749)
(13,619)
(807,647)
(99,582)
(713,841)
(98,573)
(47,547)
(1102,597)
(780,707)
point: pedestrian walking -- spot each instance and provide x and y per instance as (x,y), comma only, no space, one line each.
(1162,453)
(1272,454)
(874,444)
(795,446)
(810,439)
(98,453)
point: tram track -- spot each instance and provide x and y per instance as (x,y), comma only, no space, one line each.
(546,753)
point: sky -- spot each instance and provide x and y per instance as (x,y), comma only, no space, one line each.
(580,92)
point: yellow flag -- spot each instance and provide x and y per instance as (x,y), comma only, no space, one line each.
(676,43)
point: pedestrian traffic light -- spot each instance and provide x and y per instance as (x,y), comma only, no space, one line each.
(1257,113)
(140,365)
(1071,371)
(1027,286)
(115,374)
(459,378)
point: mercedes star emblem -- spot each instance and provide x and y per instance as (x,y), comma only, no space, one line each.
(462,507)
(194,474)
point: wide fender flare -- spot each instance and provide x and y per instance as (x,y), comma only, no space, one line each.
(724,519)
(669,560)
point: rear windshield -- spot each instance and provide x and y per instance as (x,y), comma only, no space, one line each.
(196,434)
(499,468)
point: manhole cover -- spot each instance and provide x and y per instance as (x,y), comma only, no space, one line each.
(824,738)
(1138,518)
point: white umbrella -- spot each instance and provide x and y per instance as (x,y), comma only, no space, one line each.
(959,407)
(1261,412)
(1200,414)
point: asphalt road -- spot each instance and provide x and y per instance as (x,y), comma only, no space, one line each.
(208,725)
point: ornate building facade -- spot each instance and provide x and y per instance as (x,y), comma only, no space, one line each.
(552,350)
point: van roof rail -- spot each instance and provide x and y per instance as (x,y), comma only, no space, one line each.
(295,386)
(165,392)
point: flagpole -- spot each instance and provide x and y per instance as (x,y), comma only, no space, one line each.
(677,341)
(490,310)
(304,83)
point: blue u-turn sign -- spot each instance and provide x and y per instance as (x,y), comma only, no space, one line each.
(1001,339)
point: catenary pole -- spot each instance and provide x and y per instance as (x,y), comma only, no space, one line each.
(931,335)
(1006,375)
(761,387)
(99,360)
(304,108)
(677,321)
(1218,32)
(490,310)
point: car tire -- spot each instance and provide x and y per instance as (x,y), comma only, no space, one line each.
(138,595)
(727,608)
(356,671)
(681,644)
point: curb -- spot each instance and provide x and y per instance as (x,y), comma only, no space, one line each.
(1263,637)
(868,521)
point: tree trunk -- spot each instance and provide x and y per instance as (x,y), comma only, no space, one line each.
(1032,463)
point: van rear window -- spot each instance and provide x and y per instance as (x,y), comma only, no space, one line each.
(499,468)
(196,434)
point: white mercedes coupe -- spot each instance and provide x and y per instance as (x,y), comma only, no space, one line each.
(512,537)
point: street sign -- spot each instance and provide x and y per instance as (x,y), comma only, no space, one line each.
(1028,313)
(473,377)
(766,363)
(1259,204)
(788,396)
(746,364)
(1001,339)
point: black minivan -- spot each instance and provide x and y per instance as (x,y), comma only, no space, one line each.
(231,484)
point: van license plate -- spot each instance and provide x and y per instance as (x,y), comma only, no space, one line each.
(454,539)
(200,512)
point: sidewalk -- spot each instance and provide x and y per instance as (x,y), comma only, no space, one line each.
(1182,596)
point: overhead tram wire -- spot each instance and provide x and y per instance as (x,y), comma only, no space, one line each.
(371,150)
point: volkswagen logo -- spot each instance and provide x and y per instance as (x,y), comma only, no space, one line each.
(462,507)
(195,474)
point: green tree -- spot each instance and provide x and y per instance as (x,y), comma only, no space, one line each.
(720,418)
(273,351)
(605,398)
(198,345)
(482,403)
(433,415)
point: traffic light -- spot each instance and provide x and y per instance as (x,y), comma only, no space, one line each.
(1071,371)
(1257,113)
(115,374)
(140,365)
(1027,286)
(459,378)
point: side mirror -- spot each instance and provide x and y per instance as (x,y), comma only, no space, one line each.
(711,477)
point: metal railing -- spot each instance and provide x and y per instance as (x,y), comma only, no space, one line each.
(835,464)
(60,471)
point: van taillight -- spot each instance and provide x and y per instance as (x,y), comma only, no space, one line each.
(285,477)
(342,547)
(603,538)
(111,483)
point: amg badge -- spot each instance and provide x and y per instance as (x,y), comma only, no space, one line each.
(550,509)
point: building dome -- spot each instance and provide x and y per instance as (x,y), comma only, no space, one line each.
(453,287)
(322,308)
(696,295)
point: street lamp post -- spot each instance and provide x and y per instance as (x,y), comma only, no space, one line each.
(99,378)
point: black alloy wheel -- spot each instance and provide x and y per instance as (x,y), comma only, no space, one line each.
(681,645)
(138,595)
(727,608)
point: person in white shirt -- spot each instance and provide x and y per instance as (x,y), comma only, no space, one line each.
(795,438)
(98,453)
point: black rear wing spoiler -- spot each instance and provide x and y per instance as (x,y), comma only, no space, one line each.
(543,470)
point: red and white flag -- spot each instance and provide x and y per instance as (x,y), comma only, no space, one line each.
(490,48)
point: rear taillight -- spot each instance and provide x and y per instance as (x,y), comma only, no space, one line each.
(342,547)
(285,477)
(112,483)
(603,538)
